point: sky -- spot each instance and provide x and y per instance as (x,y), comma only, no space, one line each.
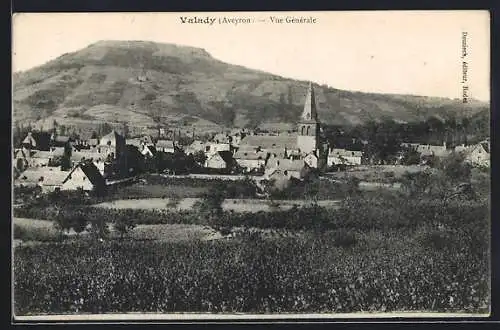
(402,52)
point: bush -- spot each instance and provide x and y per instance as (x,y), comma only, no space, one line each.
(344,239)
(34,234)
(437,239)
(245,276)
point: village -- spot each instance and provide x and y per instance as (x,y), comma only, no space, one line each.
(56,162)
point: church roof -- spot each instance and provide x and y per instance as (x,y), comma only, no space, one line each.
(310,113)
(269,141)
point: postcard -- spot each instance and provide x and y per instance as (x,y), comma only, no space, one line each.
(250,166)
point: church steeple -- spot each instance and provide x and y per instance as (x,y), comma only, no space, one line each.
(310,113)
(308,125)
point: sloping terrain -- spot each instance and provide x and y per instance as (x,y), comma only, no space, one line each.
(145,82)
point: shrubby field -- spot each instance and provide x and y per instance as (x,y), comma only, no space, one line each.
(323,274)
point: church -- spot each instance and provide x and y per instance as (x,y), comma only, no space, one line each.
(309,127)
(306,144)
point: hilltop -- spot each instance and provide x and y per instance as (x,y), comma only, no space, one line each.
(142,83)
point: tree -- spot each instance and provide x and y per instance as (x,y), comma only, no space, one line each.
(210,207)
(455,168)
(124,224)
(99,228)
(199,157)
(411,157)
(66,158)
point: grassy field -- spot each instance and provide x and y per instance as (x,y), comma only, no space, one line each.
(139,190)
(236,205)
(380,173)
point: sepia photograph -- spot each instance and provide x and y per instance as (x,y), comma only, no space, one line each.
(250,165)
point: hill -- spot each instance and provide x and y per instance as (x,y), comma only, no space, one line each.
(143,83)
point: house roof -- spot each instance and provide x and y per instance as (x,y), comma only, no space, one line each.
(61,139)
(221,137)
(485,145)
(52,176)
(164,144)
(250,155)
(227,156)
(93,142)
(135,142)
(269,141)
(279,152)
(290,164)
(91,171)
(29,139)
(149,148)
(57,151)
(197,146)
(23,152)
(79,155)
(335,152)
(432,148)
(479,147)
(42,154)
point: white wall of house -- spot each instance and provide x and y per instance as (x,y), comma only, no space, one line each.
(251,163)
(346,160)
(215,161)
(77,180)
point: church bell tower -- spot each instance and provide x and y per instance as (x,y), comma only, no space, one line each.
(308,125)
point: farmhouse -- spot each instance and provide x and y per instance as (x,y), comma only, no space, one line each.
(250,160)
(84,175)
(344,157)
(476,155)
(166,146)
(22,158)
(427,150)
(219,160)
(288,168)
(194,147)
(212,148)
(29,141)
(48,178)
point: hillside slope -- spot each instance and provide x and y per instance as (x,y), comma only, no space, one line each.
(142,82)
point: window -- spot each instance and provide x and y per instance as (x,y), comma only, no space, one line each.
(308,130)
(302,131)
(286,172)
